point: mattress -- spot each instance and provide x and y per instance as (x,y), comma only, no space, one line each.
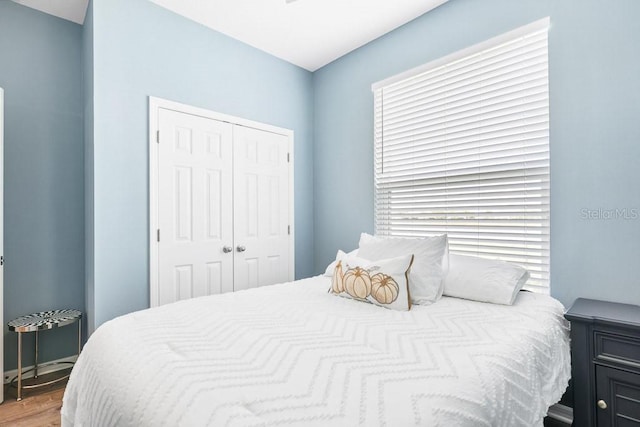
(293,354)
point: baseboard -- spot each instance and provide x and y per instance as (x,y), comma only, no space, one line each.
(561,413)
(44,368)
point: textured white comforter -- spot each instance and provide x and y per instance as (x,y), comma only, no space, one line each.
(292,354)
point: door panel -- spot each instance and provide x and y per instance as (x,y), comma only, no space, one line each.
(194,206)
(261,208)
(621,393)
(1,228)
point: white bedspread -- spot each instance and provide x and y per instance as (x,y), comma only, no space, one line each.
(292,354)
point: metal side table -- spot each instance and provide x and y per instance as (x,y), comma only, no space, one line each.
(39,322)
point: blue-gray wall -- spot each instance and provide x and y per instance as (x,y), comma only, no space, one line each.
(40,70)
(595,136)
(70,91)
(140,49)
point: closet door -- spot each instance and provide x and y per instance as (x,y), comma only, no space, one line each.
(261,208)
(195,209)
(1,231)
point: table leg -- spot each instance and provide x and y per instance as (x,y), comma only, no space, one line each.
(19,366)
(35,367)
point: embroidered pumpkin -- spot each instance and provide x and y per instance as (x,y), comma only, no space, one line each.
(357,282)
(384,289)
(337,284)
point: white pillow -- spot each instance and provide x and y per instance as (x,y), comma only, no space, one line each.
(427,273)
(384,282)
(332,265)
(484,280)
(367,238)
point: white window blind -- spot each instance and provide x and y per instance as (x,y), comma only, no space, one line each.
(462,147)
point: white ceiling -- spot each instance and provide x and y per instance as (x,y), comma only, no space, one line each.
(71,10)
(307,33)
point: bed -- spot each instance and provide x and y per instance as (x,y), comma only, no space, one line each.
(293,354)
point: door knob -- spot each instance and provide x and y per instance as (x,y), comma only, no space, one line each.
(602,404)
(227,249)
(241,248)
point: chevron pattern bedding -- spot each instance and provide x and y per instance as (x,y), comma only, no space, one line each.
(293,355)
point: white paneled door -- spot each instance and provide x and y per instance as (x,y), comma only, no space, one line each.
(261,208)
(221,205)
(1,231)
(195,206)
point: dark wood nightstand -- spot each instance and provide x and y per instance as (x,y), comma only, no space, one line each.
(605,363)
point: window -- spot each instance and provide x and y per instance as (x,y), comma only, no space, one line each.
(462,147)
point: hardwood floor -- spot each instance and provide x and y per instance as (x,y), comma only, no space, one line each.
(39,407)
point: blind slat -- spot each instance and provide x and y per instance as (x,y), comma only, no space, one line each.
(463,149)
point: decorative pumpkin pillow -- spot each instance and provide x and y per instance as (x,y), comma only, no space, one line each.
(384,282)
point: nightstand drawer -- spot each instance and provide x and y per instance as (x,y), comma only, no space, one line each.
(617,348)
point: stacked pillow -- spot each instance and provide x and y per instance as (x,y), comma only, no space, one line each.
(425,277)
(432,272)
(485,280)
(431,256)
